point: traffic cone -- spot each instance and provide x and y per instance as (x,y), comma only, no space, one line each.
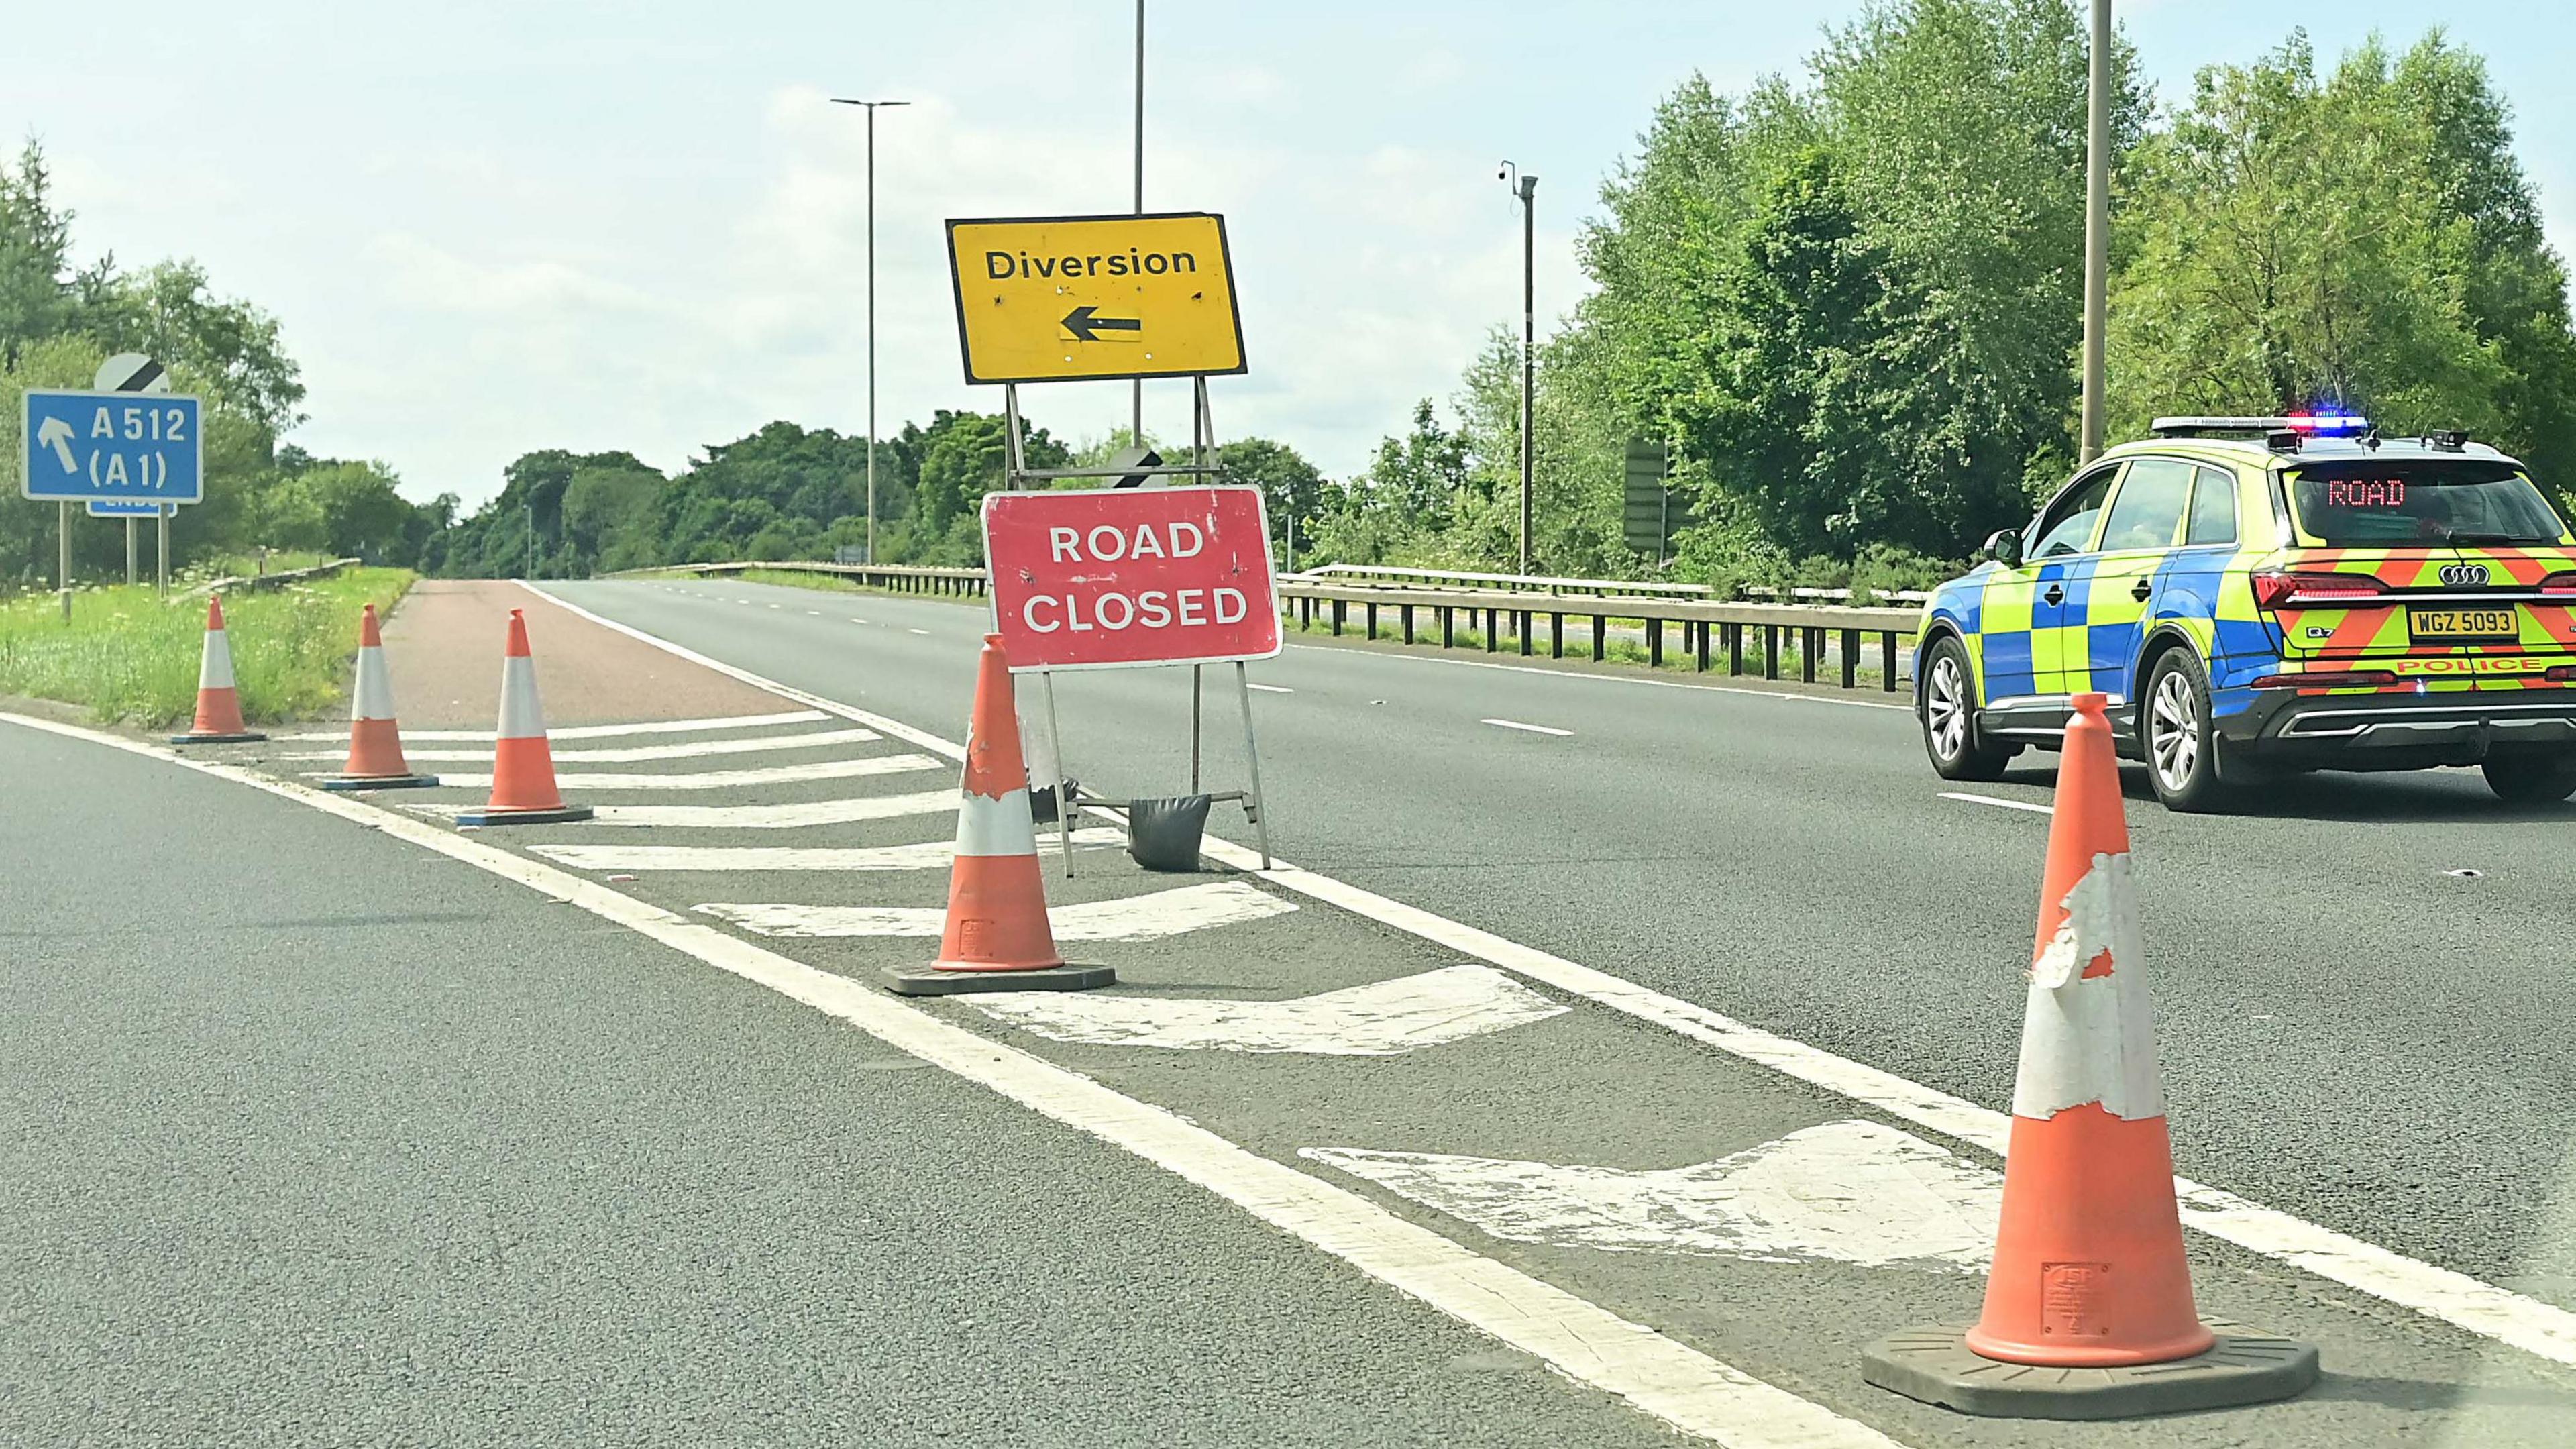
(997,937)
(523,766)
(2089,1269)
(219,717)
(375,739)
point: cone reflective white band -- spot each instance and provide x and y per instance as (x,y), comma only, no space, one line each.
(987,826)
(2091,1038)
(520,717)
(215,666)
(374,696)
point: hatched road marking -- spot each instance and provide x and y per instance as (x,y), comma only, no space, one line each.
(1381,1019)
(2033,808)
(923,855)
(1269,688)
(2541,1329)
(1136,918)
(632,754)
(781,817)
(724,779)
(1587,1343)
(1852,1191)
(1513,724)
(606,731)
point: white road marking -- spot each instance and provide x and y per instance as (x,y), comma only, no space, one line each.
(1269,688)
(781,817)
(1513,724)
(2541,1329)
(723,779)
(1382,1019)
(1963,795)
(1151,917)
(633,754)
(1585,1342)
(922,855)
(858,621)
(605,731)
(923,632)
(1853,1192)
(813,613)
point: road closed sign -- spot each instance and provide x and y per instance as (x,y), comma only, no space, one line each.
(1057,299)
(1116,578)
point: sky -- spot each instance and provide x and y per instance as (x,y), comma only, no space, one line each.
(488,228)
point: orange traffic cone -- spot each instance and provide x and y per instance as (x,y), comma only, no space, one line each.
(997,937)
(523,765)
(219,716)
(2089,1268)
(375,739)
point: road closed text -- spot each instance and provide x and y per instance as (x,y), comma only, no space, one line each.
(1131,576)
(1077,610)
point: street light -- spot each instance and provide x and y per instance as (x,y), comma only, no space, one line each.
(1525,186)
(872,310)
(531,511)
(1137,421)
(2097,227)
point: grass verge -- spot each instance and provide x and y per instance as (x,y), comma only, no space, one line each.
(129,658)
(800,579)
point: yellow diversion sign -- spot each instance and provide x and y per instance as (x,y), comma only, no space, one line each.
(1056,299)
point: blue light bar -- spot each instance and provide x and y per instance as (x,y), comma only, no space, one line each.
(2327,425)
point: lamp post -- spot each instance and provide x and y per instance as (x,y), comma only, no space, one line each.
(531,510)
(872,107)
(1525,186)
(1137,419)
(2097,225)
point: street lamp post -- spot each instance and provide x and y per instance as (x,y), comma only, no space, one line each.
(1525,186)
(1137,419)
(531,511)
(871,107)
(2097,226)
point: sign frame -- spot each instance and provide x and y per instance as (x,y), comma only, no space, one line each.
(1269,564)
(1225,256)
(30,442)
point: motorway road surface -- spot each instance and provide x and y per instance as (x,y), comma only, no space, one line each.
(407,1149)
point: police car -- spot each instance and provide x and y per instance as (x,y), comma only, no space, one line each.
(2260,596)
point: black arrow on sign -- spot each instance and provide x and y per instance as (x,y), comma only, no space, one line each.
(1088,328)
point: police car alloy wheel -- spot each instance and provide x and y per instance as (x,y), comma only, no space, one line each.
(2173,724)
(1949,719)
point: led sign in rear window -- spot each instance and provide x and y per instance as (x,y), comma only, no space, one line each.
(2403,503)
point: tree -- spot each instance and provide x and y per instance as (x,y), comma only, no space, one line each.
(35,258)
(1290,486)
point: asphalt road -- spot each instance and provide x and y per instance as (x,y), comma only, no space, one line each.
(313,1137)
(2351,1031)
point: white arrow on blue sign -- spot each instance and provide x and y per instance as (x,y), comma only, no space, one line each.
(114,447)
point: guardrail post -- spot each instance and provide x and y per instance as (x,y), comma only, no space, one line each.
(1337,618)
(1372,619)
(1407,611)
(1734,649)
(1524,627)
(1811,642)
(1490,631)
(1851,658)
(1448,627)
(1600,638)
(1654,643)
(1770,651)
(1556,636)
(1887,661)
(1703,646)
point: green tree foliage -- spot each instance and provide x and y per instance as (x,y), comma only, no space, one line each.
(1290,486)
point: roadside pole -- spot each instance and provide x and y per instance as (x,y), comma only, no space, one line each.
(2097,226)
(129,550)
(161,555)
(63,566)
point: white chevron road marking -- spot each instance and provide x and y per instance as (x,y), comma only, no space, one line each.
(926,855)
(604,731)
(1153,917)
(1382,1019)
(635,754)
(727,779)
(781,817)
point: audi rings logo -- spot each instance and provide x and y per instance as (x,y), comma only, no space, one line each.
(2457,575)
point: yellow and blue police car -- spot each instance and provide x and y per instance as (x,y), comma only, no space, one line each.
(2259,596)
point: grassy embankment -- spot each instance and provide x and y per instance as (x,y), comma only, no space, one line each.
(129,658)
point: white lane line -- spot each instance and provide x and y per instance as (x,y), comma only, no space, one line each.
(2541,1329)
(1513,724)
(923,632)
(1381,1019)
(1997,800)
(1269,688)
(632,754)
(780,817)
(1585,1342)
(1849,1192)
(858,621)
(813,613)
(605,731)
(1153,917)
(1586,675)
(722,779)
(920,855)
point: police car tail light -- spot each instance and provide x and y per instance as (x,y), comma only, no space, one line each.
(2560,674)
(2559,583)
(2273,588)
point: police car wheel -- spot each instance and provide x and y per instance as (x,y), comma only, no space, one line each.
(2173,725)
(2530,777)
(1950,719)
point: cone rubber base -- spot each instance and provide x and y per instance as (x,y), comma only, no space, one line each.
(931,981)
(1936,1366)
(487,815)
(193,738)
(376,782)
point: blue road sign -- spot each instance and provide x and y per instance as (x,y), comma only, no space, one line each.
(103,508)
(117,447)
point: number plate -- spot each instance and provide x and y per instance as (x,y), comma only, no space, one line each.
(2463,626)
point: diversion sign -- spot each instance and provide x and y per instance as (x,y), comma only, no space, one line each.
(1121,577)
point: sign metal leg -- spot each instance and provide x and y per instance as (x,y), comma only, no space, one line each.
(1197,676)
(1252,757)
(63,564)
(1063,790)
(161,555)
(129,552)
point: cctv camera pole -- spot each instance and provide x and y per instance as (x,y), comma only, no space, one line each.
(2097,225)
(1136,434)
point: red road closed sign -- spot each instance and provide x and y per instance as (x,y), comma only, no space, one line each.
(1117,577)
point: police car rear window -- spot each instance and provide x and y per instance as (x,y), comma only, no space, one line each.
(2400,503)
